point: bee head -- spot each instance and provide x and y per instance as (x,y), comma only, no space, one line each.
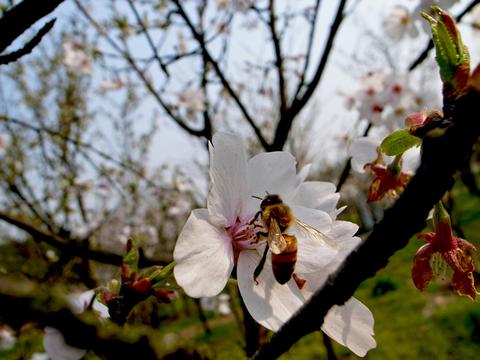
(270,199)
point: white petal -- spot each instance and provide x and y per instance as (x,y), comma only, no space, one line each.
(269,303)
(101,309)
(56,347)
(204,256)
(363,151)
(79,302)
(228,175)
(411,160)
(273,172)
(314,252)
(303,173)
(317,219)
(352,326)
(317,195)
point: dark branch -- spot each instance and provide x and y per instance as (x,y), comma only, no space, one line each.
(220,75)
(148,37)
(18,19)
(71,247)
(441,158)
(140,73)
(282,88)
(284,125)
(28,47)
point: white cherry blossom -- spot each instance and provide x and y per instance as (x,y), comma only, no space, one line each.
(75,57)
(400,23)
(222,237)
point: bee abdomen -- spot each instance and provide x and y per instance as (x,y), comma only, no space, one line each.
(283,264)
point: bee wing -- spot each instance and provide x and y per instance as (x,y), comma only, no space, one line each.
(311,232)
(275,239)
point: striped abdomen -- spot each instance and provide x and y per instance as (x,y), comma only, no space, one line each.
(283,264)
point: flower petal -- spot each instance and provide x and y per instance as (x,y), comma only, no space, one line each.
(315,250)
(228,174)
(273,172)
(352,326)
(317,219)
(422,273)
(204,256)
(269,303)
(56,347)
(363,151)
(318,195)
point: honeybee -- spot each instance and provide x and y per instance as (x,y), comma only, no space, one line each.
(277,218)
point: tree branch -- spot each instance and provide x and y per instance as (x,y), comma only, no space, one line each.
(221,76)
(28,47)
(282,89)
(442,157)
(140,73)
(19,18)
(148,37)
(284,125)
(71,247)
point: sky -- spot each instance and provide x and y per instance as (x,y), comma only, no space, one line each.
(175,147)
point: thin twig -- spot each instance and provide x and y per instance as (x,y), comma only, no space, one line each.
(284,125)
(221,76)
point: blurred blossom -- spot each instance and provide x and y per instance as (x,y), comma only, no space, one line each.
(103,190)
(192,101)
(219,304)
(182,45)
(385,100)
(53,340)
(109,85)
(182,206)
(40,356)
(51,255)
(125,234)
(4,143)
(7,338)
(475,18)
(425,6)
(400,23)
(75,57)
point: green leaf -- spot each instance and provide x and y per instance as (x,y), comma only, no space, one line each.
(399,142)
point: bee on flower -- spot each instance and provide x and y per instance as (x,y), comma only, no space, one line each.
(225,240)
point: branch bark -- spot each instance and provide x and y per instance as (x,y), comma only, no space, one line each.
(285,123)
(18,19)
(71,247)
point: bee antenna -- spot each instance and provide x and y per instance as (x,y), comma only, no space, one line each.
(256,197)
(266,192)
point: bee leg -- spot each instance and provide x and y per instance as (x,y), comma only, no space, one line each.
(260,265)
(255,217)
(299,281)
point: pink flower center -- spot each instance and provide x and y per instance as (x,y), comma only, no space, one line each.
(244,235)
